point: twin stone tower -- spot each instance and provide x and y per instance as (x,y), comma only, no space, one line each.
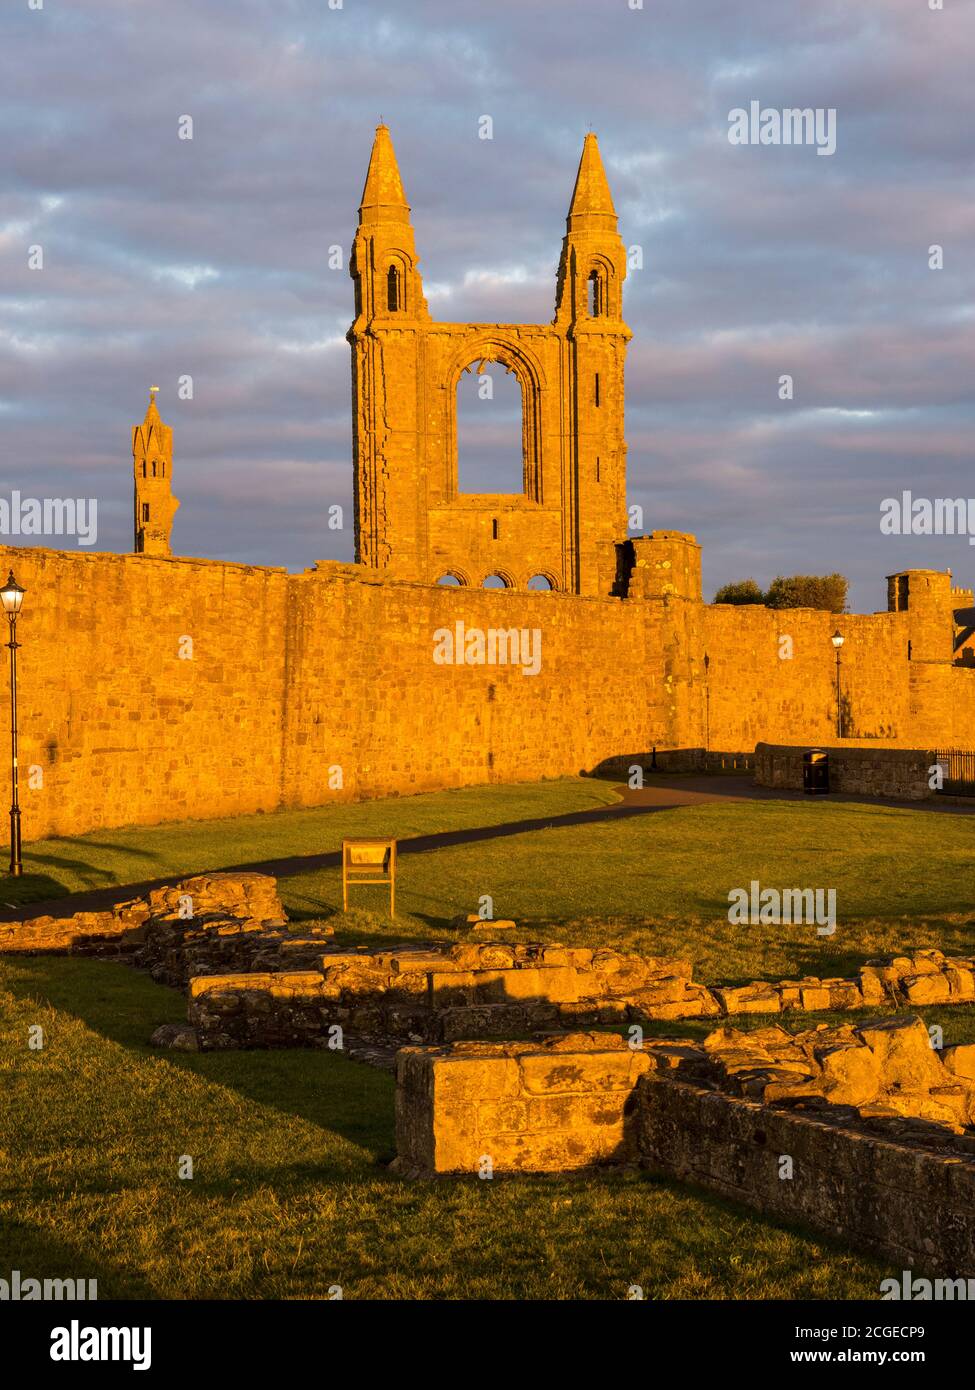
(412,522)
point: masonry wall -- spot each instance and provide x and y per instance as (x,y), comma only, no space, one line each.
(904,1204)
(578,1100)
(122,730)
(854,768)
(289,677)
(157,689)
(890,692)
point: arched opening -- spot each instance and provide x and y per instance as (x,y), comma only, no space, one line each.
(489,430)
(394,290)
(450,581)
(597,295)
(541,583)
(495,581)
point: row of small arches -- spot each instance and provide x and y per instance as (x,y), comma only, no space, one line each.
(539,583)
(162,469)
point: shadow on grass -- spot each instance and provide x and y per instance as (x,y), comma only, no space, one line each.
(105,888)
(39,887)
(125,1006)
(39,1254)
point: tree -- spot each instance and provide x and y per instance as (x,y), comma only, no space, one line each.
(826,591)
(744,591)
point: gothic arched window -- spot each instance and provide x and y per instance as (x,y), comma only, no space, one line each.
(490,442)
(597,295)
(394,290)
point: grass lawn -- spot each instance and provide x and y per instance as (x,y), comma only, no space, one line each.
(291,1194)
(659,884)
(139,854)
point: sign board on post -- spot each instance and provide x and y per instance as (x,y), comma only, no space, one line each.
(369,861)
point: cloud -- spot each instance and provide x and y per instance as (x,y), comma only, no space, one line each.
(209,257)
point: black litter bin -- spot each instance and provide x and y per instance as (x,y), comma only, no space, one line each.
(815,773)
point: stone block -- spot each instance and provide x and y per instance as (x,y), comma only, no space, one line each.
(903,1050)
(749,999)
(928,988)
(852,1074)
(581,1073)
(960,1060)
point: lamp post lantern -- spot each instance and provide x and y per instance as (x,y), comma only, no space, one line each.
(837,640)
(12,597)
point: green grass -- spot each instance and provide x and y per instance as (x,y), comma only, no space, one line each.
(55,867)
(659,884)
(291,1194)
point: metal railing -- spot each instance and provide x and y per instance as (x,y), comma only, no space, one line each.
(958,767)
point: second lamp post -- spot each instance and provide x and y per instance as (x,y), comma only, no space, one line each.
(837,641)
(12,596)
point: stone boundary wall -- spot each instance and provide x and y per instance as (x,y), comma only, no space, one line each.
(912,1207)
(899,687)
(156,689)
(897,772)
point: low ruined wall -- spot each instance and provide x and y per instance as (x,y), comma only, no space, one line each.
(882,1075)
(924,977)
(908,1205)
(172,930)
(496,990)
(526,1107)
(476,990)
(585,1099)
(898,772)
(253,982)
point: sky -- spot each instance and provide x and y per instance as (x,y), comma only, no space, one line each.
(209,257)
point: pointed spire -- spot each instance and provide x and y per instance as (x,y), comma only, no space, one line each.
(383,199)
(592,203)
(152,428)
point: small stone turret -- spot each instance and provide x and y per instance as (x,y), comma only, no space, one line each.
(152,465)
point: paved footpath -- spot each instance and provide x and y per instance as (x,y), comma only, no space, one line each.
(663,792)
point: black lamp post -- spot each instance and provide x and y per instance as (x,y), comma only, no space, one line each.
(707,711)
(837,640)
(12,596)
